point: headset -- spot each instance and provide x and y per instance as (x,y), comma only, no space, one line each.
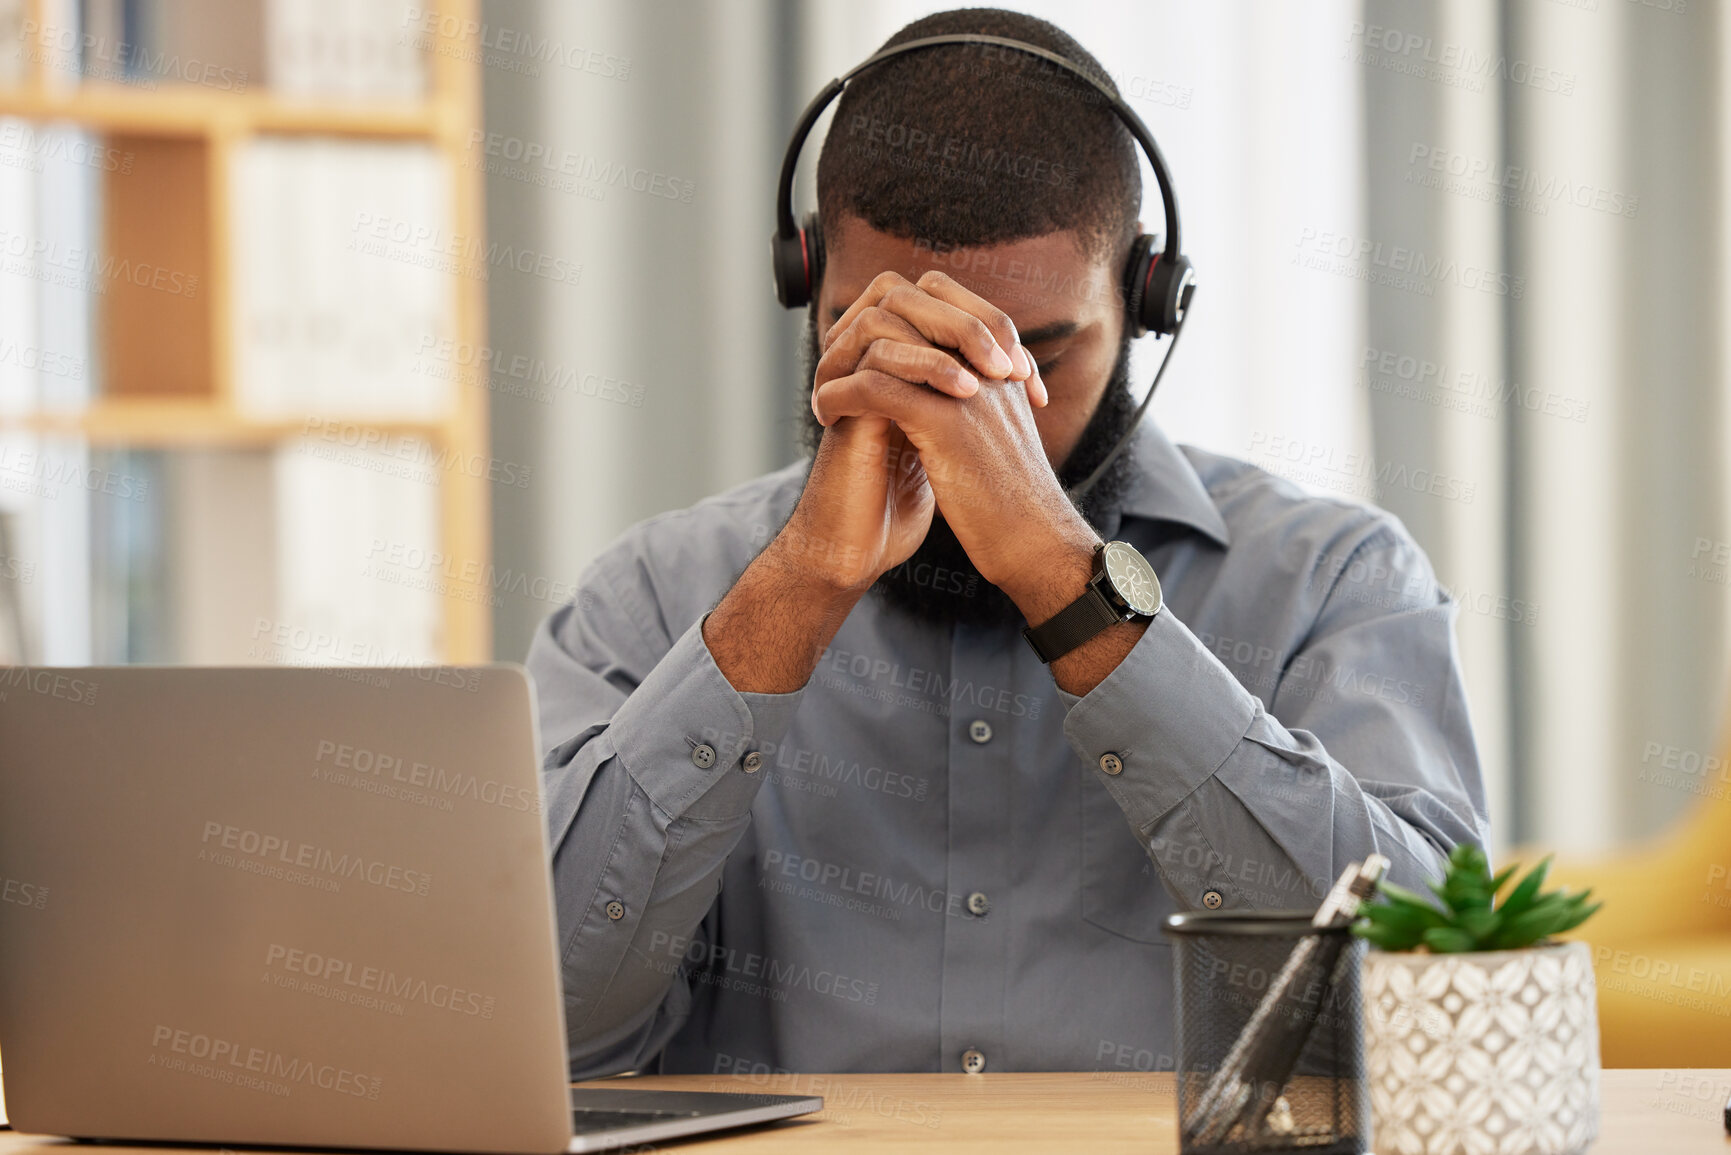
(1158,282)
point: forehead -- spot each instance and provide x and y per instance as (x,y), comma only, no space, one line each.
(1037,280)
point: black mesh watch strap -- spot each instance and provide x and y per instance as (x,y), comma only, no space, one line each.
(1073,625)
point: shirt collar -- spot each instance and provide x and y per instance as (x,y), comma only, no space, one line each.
(1166,487)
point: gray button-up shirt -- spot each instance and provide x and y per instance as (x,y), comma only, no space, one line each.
(932,853)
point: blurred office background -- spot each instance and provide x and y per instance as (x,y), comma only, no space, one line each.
(342,331)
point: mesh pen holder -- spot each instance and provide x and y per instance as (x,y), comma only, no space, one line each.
(1223,964)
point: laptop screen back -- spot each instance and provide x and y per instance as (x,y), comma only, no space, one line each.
(284,906)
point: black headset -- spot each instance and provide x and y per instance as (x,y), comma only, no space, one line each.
(1157,284)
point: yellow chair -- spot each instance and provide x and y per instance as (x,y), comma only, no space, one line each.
(1662,943)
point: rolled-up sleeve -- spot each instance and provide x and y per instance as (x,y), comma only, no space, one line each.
(1364,745)
(648,786)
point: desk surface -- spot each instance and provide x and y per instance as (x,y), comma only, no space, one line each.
(1645,1112)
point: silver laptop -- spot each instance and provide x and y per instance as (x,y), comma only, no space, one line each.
(295,907)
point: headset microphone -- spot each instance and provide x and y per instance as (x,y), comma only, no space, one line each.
(1158,280)
(1088,482)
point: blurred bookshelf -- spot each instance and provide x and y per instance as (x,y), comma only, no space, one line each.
(235,238)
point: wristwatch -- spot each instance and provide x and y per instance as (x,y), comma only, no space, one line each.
(1122,589)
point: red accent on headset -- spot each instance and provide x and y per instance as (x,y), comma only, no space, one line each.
(1149,277)
(805,260)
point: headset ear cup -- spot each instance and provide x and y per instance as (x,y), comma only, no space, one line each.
(1170,284)
(787,264)
(1142,254)
(814,254)
(797,264)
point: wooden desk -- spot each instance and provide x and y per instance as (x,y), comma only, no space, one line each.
(1646,1112)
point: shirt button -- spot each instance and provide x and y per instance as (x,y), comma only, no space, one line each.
(1211,899)
(978,903)
(973,1060)
(980,731)
(1111,763)
(703,757)
(616,910)
(753,762)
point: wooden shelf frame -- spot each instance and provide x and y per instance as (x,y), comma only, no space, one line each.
(171,423)
(112,107)
(223,122)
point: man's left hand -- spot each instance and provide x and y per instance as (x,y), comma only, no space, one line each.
(982,454)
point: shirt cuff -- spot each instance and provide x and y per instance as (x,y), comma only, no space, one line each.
(1171,715)
(688,738)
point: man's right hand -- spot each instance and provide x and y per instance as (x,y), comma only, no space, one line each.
(867,504)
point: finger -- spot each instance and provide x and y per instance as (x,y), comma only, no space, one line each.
(905,463)
(871,391)
(922,363)
(946,288)
(945,324)
(1038,396)
(938,321)
(878,328)
(873,322)
(881,284)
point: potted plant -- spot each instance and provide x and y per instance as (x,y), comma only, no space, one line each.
(1482,1033)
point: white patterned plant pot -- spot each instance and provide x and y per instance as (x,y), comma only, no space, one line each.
(1489,1053)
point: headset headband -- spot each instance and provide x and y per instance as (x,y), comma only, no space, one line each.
(784,221)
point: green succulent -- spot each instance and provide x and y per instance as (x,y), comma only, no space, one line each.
(1471,918)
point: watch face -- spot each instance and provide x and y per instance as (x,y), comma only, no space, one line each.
(1133,578)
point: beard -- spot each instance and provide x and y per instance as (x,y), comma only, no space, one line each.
(939,583)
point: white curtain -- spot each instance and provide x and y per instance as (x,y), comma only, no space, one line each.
(1579,150)
(672,318)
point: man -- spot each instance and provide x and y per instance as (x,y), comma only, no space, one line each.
(816,803)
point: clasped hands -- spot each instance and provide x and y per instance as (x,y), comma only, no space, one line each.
(928,400)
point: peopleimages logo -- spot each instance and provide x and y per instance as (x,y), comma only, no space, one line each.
(537,163)
(323,968)
(39,360)
(457,38)
(37,143)
(358,762)
(740,971)
(928,690)
(381,452)
(46,474)
(21,893)
(48,683)
(225,1059)
(85,269)
(122,61)
(1357,473)
(270,854)
(1525,188)
(955,156)
(1397,266)
(1468,384)
(1448,62)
